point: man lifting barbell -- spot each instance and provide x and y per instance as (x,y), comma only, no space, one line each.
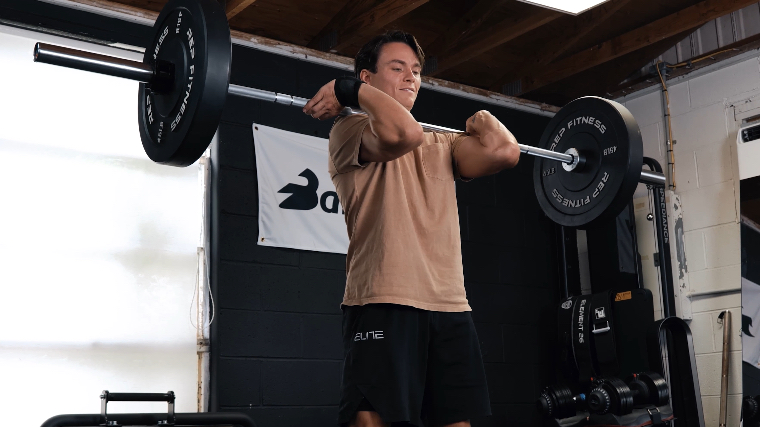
(411,350)
(404,300)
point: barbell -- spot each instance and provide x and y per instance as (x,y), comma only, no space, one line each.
(590,155)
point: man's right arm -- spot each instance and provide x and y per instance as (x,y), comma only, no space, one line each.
(392,130)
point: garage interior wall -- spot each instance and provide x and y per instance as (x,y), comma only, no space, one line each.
(706,110)
(98,254)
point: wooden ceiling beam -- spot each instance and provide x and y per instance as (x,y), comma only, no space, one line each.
(718,54)
(362,17)
(236,6)
(470,21)
(605,76)
(489,38)
(566,38)
(683,20)
(340,20)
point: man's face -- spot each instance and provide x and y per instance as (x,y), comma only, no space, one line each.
(398,73)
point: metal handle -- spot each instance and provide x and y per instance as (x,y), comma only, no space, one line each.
(137,397)
(168,397)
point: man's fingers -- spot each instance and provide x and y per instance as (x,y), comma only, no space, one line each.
(308,108)
(319,108)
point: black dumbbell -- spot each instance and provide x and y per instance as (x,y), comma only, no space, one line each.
(559,402)
(612,395)
(649,388)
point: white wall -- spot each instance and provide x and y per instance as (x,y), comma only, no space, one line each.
(704,126)
(98,247)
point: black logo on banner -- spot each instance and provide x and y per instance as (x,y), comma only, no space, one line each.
(746,324)
(305,197)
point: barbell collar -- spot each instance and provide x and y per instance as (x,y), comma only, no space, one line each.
(93,62)
(547,154)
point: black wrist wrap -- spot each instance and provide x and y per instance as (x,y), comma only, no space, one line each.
(347,91)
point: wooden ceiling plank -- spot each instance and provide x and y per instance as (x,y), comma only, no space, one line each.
(564,40)
(609,74)
(374,19)
(236,6)
(463,27)
(683,20)
(340,20)
(491,37)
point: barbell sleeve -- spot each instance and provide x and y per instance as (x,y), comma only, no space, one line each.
(652,178)
(141,72)
(93,62)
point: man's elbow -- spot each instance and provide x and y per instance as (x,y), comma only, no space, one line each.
(402,141)
(409,136)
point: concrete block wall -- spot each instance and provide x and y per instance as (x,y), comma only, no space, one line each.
(707,181)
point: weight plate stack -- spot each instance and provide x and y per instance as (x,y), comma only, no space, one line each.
(609,141)
(191,40)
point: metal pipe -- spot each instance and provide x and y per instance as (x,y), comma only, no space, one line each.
(93,62)
(134,70)
(724,368)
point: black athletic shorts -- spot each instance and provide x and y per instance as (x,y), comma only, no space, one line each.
(411,365)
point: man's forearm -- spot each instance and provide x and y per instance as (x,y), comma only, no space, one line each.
(390,121)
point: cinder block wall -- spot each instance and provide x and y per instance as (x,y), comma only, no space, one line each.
(705,128)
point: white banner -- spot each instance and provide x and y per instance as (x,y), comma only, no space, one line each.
(751,322)
(298,205)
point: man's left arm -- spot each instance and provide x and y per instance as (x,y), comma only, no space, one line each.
(489,148)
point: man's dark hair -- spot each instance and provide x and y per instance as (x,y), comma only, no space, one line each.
(367,56)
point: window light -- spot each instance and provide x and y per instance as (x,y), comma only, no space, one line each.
(573,7)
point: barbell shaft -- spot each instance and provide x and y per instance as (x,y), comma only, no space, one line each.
(280,98)
(138,71)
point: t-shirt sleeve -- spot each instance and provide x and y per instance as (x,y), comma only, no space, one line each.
(345,141)
(456,141)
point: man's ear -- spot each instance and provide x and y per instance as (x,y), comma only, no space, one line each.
(364,75)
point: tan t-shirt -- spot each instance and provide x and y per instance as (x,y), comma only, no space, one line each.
(403,225)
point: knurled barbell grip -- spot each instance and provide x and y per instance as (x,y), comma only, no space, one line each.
(138,71)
